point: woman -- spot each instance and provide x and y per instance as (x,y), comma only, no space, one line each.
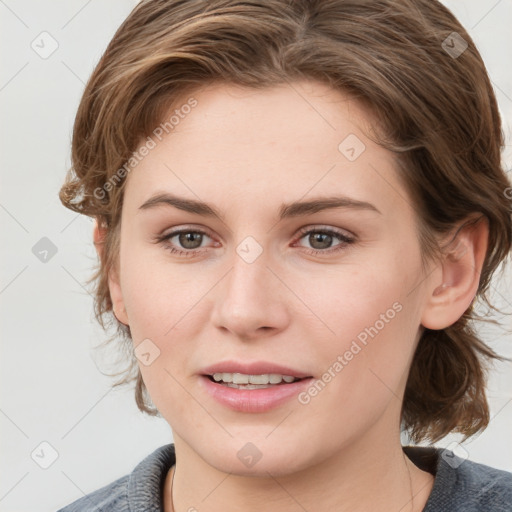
(297,205)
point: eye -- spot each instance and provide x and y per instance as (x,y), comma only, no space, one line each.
(187,241)
(322,239)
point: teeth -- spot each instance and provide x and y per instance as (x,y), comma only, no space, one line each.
(259,379)
(237,378)
(246,386)
(242,378)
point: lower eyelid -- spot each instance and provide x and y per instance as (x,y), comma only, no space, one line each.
(343,245)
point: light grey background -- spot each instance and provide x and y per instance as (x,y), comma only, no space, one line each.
(52,389)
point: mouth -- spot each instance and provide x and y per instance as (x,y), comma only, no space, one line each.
(253,392)
(253,386)
(252,381)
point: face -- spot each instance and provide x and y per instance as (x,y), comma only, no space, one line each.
(270,272)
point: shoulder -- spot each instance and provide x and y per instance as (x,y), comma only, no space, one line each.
(462,485)
(113,496)
(139,491)
(478,486)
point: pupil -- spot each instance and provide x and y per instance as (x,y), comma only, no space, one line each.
(321,237)
(187,240)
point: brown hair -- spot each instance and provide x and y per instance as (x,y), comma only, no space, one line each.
(435,109)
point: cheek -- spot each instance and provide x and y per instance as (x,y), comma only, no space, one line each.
(364,366)
(369,328)
(352,298)
(165,312)
(155,293)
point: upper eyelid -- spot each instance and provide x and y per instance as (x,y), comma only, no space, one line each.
(320,227)
(186,229)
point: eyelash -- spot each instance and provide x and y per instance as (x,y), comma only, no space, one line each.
(344,239)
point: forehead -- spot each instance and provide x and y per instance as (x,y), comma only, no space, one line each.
(278,143)
(299,113)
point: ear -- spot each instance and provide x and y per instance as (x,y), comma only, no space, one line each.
(461,267)
(116,295)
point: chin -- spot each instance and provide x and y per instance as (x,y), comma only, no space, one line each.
(258,459)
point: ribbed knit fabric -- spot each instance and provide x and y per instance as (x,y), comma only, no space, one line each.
(459,486)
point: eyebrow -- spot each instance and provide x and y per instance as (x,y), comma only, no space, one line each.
(294,209)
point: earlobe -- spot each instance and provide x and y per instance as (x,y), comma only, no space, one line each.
(116,296)
(461,266)
(114,285)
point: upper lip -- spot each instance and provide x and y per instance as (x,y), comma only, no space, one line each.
(252,368)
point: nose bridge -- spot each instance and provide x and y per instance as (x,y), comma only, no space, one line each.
(250,298)
(247,279)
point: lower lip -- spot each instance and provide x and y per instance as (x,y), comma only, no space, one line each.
(254,400)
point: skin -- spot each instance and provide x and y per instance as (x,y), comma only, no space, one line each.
(246,152)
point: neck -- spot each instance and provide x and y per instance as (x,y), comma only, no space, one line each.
(354,479)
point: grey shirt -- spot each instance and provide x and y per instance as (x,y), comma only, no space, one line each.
(459,486)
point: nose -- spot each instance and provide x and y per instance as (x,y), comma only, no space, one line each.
(251,301)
